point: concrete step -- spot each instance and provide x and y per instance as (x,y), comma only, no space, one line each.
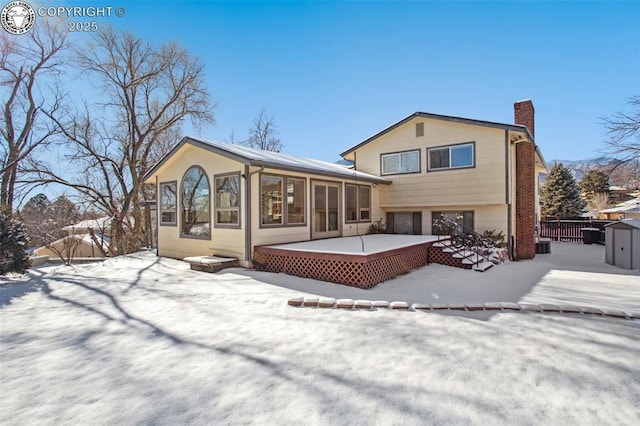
(483,266)
(442,243)
(464,254)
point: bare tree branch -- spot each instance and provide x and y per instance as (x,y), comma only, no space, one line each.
(26,68)
(146,94)
(264,134)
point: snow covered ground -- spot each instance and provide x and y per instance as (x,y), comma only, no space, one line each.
(141,339)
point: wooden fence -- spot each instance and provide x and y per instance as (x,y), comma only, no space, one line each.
(568,229)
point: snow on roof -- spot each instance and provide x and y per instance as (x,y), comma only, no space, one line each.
(287,160)
(629,206)
(634,223)
(276,160)
(98,224)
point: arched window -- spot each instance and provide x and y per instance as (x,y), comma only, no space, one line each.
(195,204)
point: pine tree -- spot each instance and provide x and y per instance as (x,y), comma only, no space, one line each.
(13,245)
(560,194)
(594,182)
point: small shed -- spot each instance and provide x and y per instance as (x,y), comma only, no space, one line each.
(622,244)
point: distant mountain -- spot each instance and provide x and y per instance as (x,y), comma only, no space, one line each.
(580,167)
(627,175)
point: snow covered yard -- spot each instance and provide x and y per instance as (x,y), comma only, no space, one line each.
(141,339)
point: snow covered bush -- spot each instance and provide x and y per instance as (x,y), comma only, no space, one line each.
(13,245)
(495,238)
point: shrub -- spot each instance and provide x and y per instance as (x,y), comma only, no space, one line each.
(495,238)
(13,245)
(377,227)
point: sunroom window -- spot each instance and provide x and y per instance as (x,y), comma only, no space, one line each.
(196,201)
(228,200)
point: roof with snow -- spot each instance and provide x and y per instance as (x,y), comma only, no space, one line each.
(633,223)
(275,160)
(98,224)
(630,206)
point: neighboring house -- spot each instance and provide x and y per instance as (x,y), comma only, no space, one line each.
(224,199)
(629,209)
(101,225)
(78,243)
(73,246)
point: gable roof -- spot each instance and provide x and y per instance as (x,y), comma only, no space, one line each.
(98,224)
(449,118)
(625,223)
(275,160)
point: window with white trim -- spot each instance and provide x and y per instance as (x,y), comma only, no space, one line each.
(451,157)
(227,210)
(358,203)
(400,162)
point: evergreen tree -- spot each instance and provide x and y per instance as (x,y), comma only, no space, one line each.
(13,245)
(594,182)
(560,194)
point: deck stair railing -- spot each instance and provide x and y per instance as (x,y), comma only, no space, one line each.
(464,241)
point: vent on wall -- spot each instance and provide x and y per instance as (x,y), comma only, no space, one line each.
(419,129)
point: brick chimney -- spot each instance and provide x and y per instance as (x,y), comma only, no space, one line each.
(525,184)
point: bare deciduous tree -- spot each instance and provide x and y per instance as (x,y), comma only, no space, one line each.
(598,201)
(146,94)
(29,66)
(264,134)
(623,130)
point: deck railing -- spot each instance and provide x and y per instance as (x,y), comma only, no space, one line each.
(568,229)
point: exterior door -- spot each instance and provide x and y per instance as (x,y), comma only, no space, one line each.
(325,210)
(622,248)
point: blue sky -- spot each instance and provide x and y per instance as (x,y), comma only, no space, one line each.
(335,73)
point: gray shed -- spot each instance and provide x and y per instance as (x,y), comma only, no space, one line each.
(622,244)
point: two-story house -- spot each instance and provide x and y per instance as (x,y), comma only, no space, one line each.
(479,173)
(224,199)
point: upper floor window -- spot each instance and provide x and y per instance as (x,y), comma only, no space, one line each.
(451,157)
(168,203)
(400,162)
(196,201)
(227,200)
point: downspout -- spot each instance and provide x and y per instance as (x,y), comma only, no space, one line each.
(247,220)
(507,179)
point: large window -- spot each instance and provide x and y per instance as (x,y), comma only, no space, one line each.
(400,162)
(168,203)
(227,200)
(451,157)
(358,203)
(196,201)
(463,220)
(276,191)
